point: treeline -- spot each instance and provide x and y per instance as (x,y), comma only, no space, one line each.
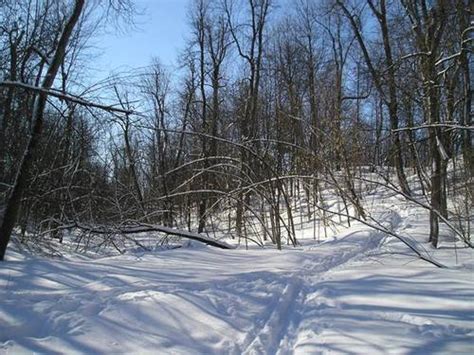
(271,99)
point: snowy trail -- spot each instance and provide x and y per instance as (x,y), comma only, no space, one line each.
(287,312)
(201,293)
(344,295)
(384,307)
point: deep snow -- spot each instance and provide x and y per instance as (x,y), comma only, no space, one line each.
(359,292)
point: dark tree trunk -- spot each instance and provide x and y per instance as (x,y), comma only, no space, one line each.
(13,205)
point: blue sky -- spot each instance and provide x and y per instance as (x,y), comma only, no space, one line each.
(160,33)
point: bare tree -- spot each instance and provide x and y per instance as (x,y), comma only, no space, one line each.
(391,98)
(428,29)
(12,207)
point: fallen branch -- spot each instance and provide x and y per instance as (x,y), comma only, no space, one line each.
(146,228)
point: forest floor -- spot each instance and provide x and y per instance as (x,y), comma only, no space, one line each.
(358,291)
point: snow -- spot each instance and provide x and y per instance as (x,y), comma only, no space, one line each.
(359,291)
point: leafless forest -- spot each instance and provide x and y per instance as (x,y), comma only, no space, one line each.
(268,100)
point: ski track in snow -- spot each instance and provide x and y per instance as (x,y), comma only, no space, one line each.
(68,312)
(328,322)
(330,298)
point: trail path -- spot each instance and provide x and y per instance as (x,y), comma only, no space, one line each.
(349,294)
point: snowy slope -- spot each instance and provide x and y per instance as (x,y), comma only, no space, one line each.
(359,292)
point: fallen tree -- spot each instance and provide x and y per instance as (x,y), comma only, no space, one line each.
(145,228)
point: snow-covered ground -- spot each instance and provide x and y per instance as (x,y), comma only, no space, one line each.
(358,292)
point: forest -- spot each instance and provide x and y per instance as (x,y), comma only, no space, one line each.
(278,117)
(264,106)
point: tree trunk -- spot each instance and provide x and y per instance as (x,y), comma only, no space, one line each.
(13,205)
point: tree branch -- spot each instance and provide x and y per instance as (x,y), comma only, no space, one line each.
(61,96)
